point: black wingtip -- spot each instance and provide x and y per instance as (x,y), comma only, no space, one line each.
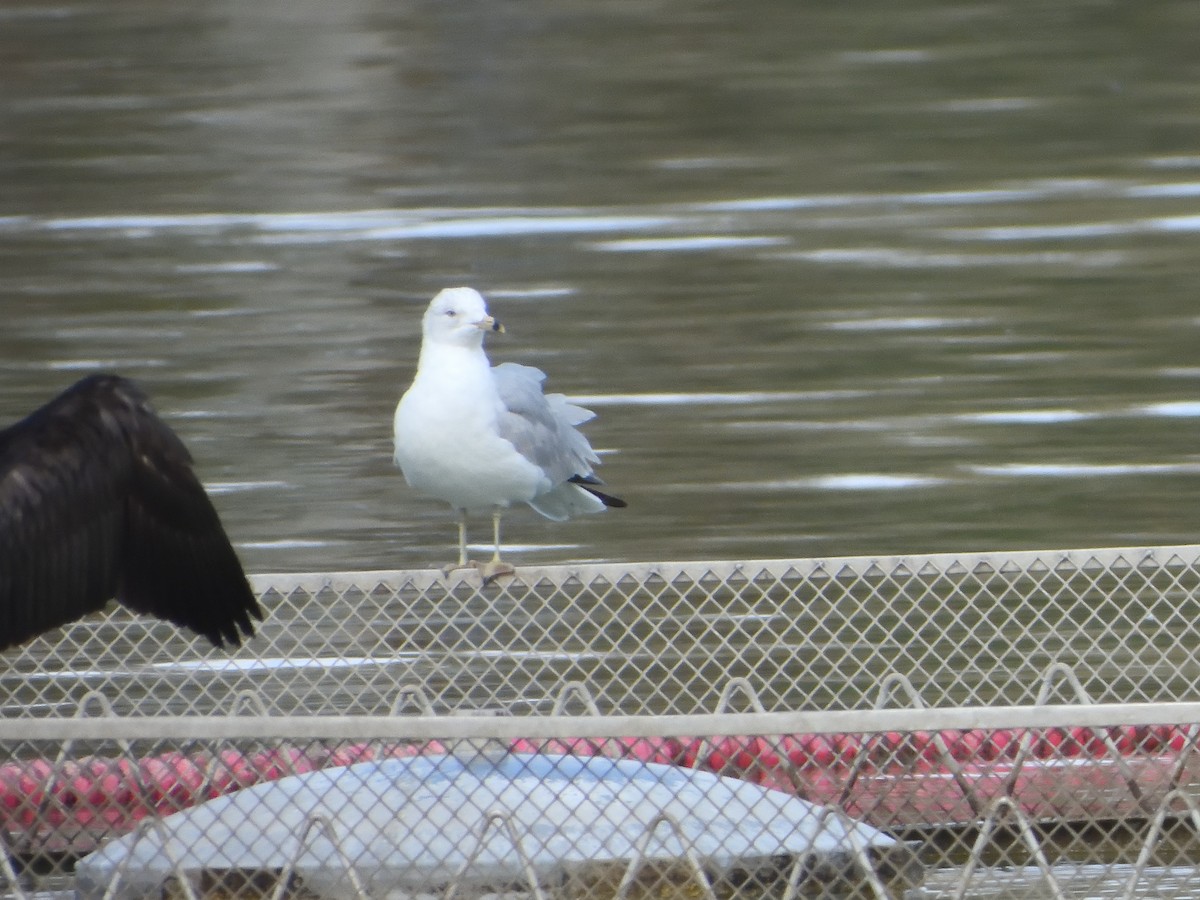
(238,628)
(589,482)
(608,499)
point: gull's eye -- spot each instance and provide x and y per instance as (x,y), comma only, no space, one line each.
(451,313)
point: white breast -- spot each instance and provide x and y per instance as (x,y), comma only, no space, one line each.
(447,444)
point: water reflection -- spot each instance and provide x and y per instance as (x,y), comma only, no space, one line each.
(838,281)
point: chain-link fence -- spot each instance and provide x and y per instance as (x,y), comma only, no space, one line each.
(1001,725)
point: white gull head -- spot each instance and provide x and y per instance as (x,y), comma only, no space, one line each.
(458,316)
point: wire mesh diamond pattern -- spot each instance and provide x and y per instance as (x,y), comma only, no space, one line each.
(986,725)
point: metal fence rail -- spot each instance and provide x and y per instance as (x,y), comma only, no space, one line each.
(954,725)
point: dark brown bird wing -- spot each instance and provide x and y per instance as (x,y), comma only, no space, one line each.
(98,499)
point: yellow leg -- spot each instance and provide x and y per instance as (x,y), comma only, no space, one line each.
(463,562)
(497,567)
(462,538)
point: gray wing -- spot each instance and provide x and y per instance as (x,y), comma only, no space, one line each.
(542,426)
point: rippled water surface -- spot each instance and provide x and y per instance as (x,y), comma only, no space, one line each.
(838,278)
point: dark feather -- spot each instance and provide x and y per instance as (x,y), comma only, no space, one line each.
(589,482)
(98,500)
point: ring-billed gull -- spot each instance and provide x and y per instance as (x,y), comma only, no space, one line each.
(481,437)
(98,500)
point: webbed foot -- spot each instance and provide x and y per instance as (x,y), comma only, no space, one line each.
(490,571)
(450,568)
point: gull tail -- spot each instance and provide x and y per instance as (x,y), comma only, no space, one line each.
(575,496)
(588,483)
